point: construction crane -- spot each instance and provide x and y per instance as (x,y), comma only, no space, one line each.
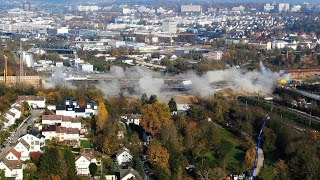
(5,68)
(258,146)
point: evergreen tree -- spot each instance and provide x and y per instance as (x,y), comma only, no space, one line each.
(93,169)
(49,163)
(172,105)
(153,99)
(70,162)
(2,175)
(144,99)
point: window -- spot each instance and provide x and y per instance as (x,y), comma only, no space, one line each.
(36,142)
(32,147)
(31,138)
(32,142)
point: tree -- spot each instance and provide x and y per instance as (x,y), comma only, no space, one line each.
(249,159)
(102,115)
(49,163)
(219,113)
(170,138)
(281,169)
(110,144)
(70,163)
(157,155)
(93,169)
(153,99)
(172,105)
(212,173)
(35,157)
(297,59)
(144,99)
(269,139)
(2,175)
(197,113)
(154,117)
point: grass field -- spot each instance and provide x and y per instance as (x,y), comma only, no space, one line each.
(85,144)
(235,155)
(230,153)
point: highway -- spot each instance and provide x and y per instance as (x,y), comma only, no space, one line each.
(22,129)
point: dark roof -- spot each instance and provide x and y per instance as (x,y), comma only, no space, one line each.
(60,107)
(80,110)
(35,134)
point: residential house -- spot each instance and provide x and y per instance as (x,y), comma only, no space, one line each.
(134,119)
(12,155)
(83,161)
(34,102)
(72,108)
(12,168)
(11,164)
(63,121)
(12,114)
(35,140)
(123,156)
(49,132)
(59,133)
(129,174)
(9,119)
(23,148)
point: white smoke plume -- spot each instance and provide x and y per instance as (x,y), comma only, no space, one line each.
(57,79)
(150,82)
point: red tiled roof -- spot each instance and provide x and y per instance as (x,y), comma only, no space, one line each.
(72,131)
(61,129)
(60,117)
(14,152)
(30,98)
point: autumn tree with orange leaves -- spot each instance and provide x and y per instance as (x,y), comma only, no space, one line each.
(102,116)
(154,117)
(250,154)
(157,155)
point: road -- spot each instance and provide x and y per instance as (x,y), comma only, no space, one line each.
(21,130)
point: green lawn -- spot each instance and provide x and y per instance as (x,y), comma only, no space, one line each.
(235,155)
(85,144)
